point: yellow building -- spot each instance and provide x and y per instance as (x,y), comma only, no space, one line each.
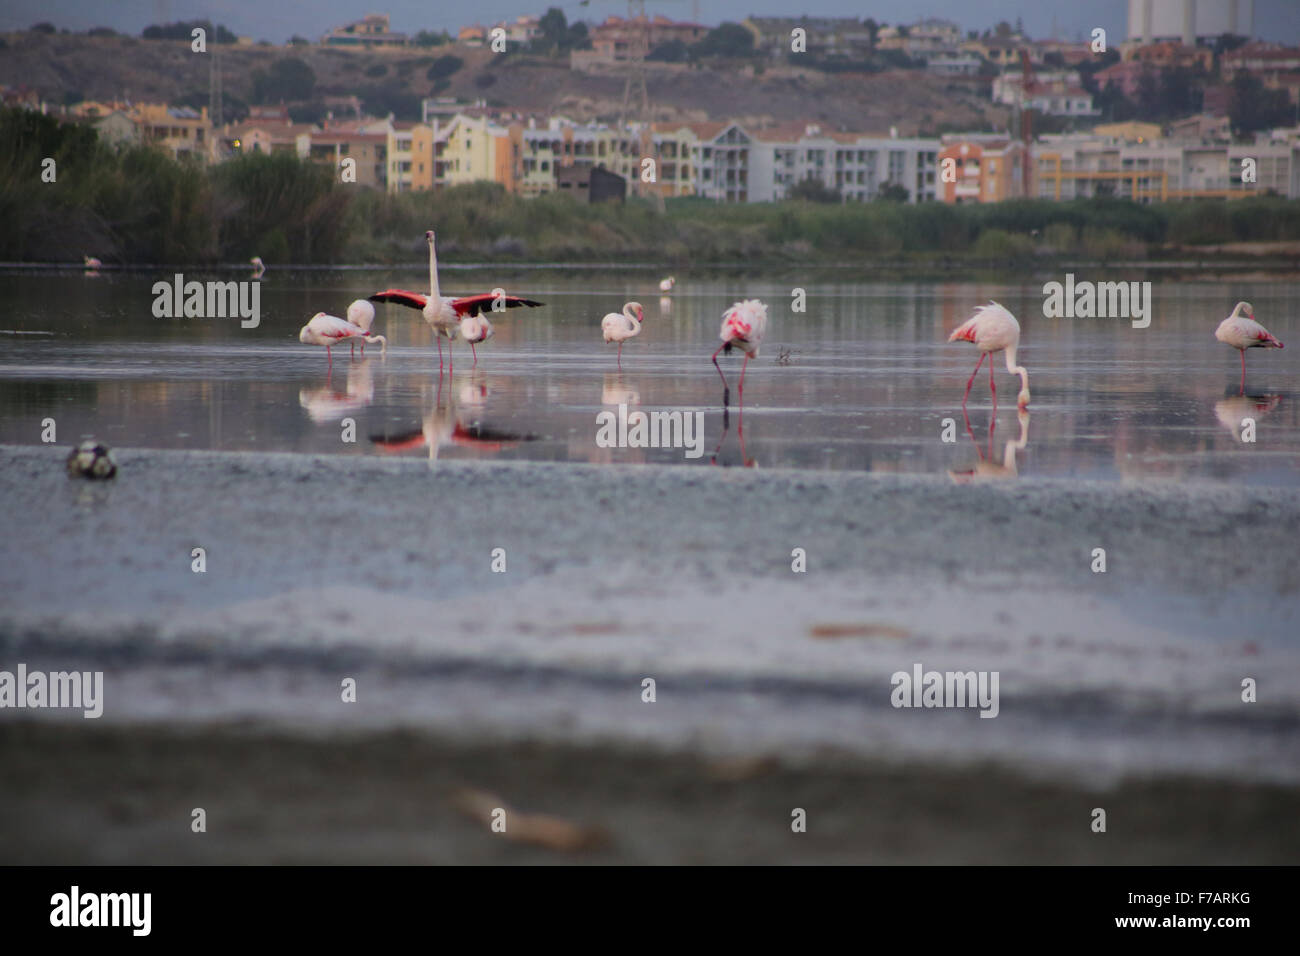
(477,149)
(412,161)
(177,129)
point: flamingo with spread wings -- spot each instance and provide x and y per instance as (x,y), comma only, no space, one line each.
(444,313)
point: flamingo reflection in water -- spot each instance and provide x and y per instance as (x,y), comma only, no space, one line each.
(987,468)
(446,424)
(325,404)
(1233,411)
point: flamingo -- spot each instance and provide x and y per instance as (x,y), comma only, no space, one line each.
(361,314)
(259,267)
(443,313)
(475,329)
(1241,331)
(993,329)
(743,327)
(329,330)
(666,285)
(91,262)
(619,327)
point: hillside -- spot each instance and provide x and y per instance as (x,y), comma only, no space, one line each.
(64,66)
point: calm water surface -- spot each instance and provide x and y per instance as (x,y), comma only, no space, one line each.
(864,380)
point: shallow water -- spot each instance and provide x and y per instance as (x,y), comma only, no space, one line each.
(864,380)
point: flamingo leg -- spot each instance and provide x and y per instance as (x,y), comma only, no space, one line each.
(353,343)
(971,381)
(438,339)
(620,356)
(993,388)
(726,389)
(726,424)
(475,353)
(740,389)
(329,359)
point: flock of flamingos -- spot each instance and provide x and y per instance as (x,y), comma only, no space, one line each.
(991,329)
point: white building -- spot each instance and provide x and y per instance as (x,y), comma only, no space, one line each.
(737,165)
(1189,20)
(1053,94)
(954,64)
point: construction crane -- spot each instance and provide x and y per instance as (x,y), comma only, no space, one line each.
(635,108)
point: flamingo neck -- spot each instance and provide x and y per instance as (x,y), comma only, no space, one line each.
(434,294)
(636,323)
(1020,370)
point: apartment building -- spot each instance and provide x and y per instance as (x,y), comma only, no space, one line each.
(1066,167)
(478,148)
(411,157)
(985,170)
(368,150)
(737,165)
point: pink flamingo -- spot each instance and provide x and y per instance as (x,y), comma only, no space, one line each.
(443,313)
(743,327)
(475,329)
(361,314)
(993,329)
(330,330)
(1241,331)
(621,326)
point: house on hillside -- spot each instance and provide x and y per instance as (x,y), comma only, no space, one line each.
(117,129)
(1052,94)
(371,30)
(825,36)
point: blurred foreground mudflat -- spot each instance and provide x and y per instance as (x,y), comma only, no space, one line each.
(118,796)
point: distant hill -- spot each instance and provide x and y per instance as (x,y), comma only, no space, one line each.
(68,66)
